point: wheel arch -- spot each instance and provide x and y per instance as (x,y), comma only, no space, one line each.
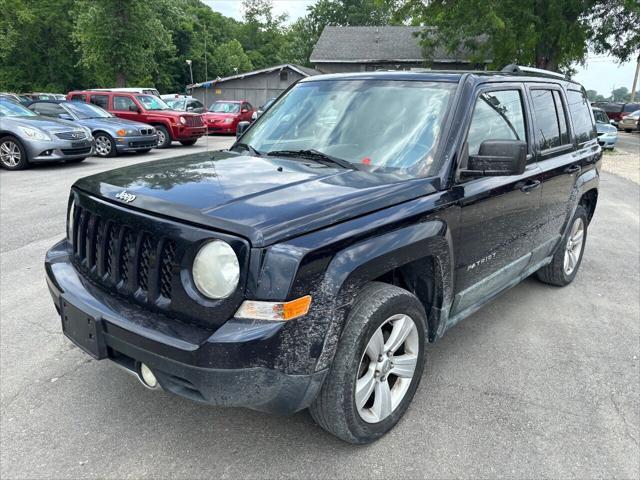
(589,200)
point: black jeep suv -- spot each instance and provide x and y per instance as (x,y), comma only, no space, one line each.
(355,221)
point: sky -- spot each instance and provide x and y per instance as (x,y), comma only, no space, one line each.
(600,73)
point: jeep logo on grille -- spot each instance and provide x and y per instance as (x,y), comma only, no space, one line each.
(126,196)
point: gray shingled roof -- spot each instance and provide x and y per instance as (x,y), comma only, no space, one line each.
(306,71)
(373,44)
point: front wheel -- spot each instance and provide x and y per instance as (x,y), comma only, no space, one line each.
(12,154)
(105,145)
(188,143)
(377,366)
(164,139)
(568,257)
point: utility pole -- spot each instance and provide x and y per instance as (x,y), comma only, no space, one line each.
(635,80)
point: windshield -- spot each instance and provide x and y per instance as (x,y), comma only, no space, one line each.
(384,126)
(600,116)
(86,110)
(176,104)
(10,109)
(225,107)
(152,103)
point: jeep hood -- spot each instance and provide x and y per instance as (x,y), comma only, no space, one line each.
(263,199)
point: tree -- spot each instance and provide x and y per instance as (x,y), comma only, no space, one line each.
(549,34)
(122,41)
(594,96)
(621,94)
(229,58)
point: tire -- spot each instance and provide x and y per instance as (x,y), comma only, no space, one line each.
(558,272)
(13,156)
(374,310)
(628,130)
(105,145)
(164,139)
(188,143)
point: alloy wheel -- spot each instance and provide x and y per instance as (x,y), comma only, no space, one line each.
(10,154)
(103,146)
(386,368)
(574,246)
(161,137)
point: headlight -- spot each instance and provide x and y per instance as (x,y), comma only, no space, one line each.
(70,220)
(88,132)
(216,270)
(34,133)
(183,120)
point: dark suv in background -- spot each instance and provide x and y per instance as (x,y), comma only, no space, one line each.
(310,265)
(170,125)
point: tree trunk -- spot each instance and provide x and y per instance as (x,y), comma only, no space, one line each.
(121,79)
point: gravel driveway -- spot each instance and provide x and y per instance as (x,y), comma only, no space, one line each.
(542,382)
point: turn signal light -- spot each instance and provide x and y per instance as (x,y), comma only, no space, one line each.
(275,311)
(121,132)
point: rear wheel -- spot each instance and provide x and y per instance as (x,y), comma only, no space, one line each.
(568,257)
(188,143)
(377,367)
(164,139)
(105,146)
(12,154)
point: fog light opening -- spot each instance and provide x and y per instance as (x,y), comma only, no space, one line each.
(147,378)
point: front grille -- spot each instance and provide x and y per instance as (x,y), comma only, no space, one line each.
(194,120)
(146,131)
(71,135)
(76,151)
(114,255)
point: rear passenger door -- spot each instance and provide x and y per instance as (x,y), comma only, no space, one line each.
(557,158)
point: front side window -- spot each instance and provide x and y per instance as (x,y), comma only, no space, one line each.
(150,102)
(79,96)
(498,115)
(384,126)
(583,125)
(550,119)
(100,100)
(176,104)
(599,115)
(122,103)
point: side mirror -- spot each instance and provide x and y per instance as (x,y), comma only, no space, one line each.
(65,116)
(496,158)
(134,108)
(242,127)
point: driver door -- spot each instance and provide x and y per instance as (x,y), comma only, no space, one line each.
(499,214)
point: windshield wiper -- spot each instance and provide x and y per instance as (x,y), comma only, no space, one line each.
(316,155)
(248,148)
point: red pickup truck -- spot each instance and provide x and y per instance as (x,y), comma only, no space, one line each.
(171,125)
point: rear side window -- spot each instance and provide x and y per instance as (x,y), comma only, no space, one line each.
(551,123)
(631,107)
(122,103)
(498,115)
(583,125)
(100,100)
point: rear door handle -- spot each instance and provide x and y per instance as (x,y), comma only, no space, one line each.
(528,186)
(573,169)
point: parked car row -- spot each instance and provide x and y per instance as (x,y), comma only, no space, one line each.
(618,111)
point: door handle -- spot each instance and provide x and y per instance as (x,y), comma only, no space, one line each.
(573,169)
(529,186)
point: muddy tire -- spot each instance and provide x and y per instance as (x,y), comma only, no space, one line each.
(568,257)
(362,397)
(164,137)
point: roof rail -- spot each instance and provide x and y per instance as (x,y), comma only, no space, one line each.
(513,68)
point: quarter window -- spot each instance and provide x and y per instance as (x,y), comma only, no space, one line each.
(122,103)
(583,125)
(100,100)
(551,122)
(497,115)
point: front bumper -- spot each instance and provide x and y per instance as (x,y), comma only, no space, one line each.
(190,361)
(182,132)
(57,150)
(136,143)
(607,141)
